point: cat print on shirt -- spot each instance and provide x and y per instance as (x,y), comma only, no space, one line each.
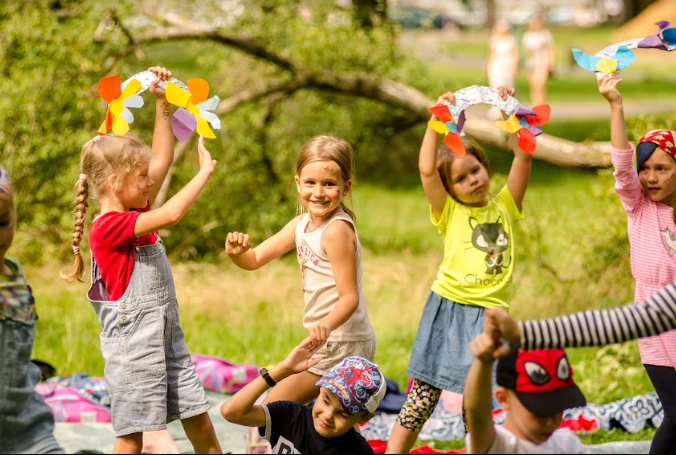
(491,239)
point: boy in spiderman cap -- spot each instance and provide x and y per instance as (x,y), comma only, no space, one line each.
(349,395)
(534,388)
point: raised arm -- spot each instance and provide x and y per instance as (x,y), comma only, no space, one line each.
(238,247)
(519,174)
(593,328)
(176,207)
(621,152)
(339,241)
(163,136)
(477,401)
(607,85)
(427,164)
(241,408)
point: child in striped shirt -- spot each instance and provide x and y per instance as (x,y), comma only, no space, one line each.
(648,195)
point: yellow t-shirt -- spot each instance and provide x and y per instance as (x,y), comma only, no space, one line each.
(478,251)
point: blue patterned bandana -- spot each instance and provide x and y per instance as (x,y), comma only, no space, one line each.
(357,383)
(5,184)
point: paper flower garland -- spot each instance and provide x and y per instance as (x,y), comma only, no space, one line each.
(192,113)
(618,56)
(527,123)
(522,120)
(448,126)
(619,61)
(118,116)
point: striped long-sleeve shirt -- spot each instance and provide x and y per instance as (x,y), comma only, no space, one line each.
(601,327)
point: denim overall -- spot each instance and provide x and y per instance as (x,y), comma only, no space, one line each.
(26,422)
(148,370)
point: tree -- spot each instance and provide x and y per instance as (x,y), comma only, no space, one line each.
(286,78)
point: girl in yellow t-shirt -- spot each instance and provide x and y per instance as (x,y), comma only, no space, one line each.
(475,274)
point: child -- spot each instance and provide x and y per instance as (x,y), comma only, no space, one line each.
(649,197)
(26,422)
(148,369)
(329,254)
(476,272)
(534,388)
(350,393)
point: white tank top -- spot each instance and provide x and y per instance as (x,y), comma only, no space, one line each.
(319,283)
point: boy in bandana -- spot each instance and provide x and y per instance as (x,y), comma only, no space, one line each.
(350,394)
(26,422)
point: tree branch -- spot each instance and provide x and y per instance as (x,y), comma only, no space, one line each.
(396,94)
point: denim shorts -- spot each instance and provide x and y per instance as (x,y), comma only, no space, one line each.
(441,355)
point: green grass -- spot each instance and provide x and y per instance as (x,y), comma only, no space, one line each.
(255,317)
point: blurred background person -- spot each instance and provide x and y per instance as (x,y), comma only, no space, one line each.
(539,46)
(502,62)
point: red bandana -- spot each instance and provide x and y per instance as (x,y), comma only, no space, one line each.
(664,139)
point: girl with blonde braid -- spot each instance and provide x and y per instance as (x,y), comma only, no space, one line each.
(148,370)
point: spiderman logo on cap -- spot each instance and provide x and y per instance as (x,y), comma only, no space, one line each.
(539,371)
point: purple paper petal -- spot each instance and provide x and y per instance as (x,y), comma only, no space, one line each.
(523,110)
(536,130)
(461,122)
(183,123)
(654,40)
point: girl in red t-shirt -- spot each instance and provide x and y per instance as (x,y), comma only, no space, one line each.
(148,371)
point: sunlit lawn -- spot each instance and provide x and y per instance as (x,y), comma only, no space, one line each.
(255,317)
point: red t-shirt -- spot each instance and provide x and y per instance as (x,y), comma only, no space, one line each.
(112,242)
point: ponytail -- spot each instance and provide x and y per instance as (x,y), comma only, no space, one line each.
(348,211)
(81,208)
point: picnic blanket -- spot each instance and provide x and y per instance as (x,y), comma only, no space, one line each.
(631,414)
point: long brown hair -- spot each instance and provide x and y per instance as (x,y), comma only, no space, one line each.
(329,148)
(100,158)
(445,158)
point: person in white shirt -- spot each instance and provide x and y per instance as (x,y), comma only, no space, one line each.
(534,388)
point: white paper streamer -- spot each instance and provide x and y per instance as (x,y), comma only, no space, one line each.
(479,94)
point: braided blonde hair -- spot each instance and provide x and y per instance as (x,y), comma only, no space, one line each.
(329,148)
(100,158)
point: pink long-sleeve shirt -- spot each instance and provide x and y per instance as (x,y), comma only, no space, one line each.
(652,238)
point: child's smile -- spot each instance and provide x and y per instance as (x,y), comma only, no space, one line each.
(321,188)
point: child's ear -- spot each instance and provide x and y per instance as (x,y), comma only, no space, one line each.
(501,396)
(348,187)
(112,182)
(297,180)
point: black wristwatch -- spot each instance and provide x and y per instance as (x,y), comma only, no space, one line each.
(264,373)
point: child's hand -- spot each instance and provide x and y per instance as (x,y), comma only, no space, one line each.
(448,96)
(162,74)
(300,359)
(504,91)
(319,334)
(499,320)
(206,163)
(483,347)
(237,243)
(608,88)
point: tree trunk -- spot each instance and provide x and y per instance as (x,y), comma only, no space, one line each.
(366,10)
(490,14)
